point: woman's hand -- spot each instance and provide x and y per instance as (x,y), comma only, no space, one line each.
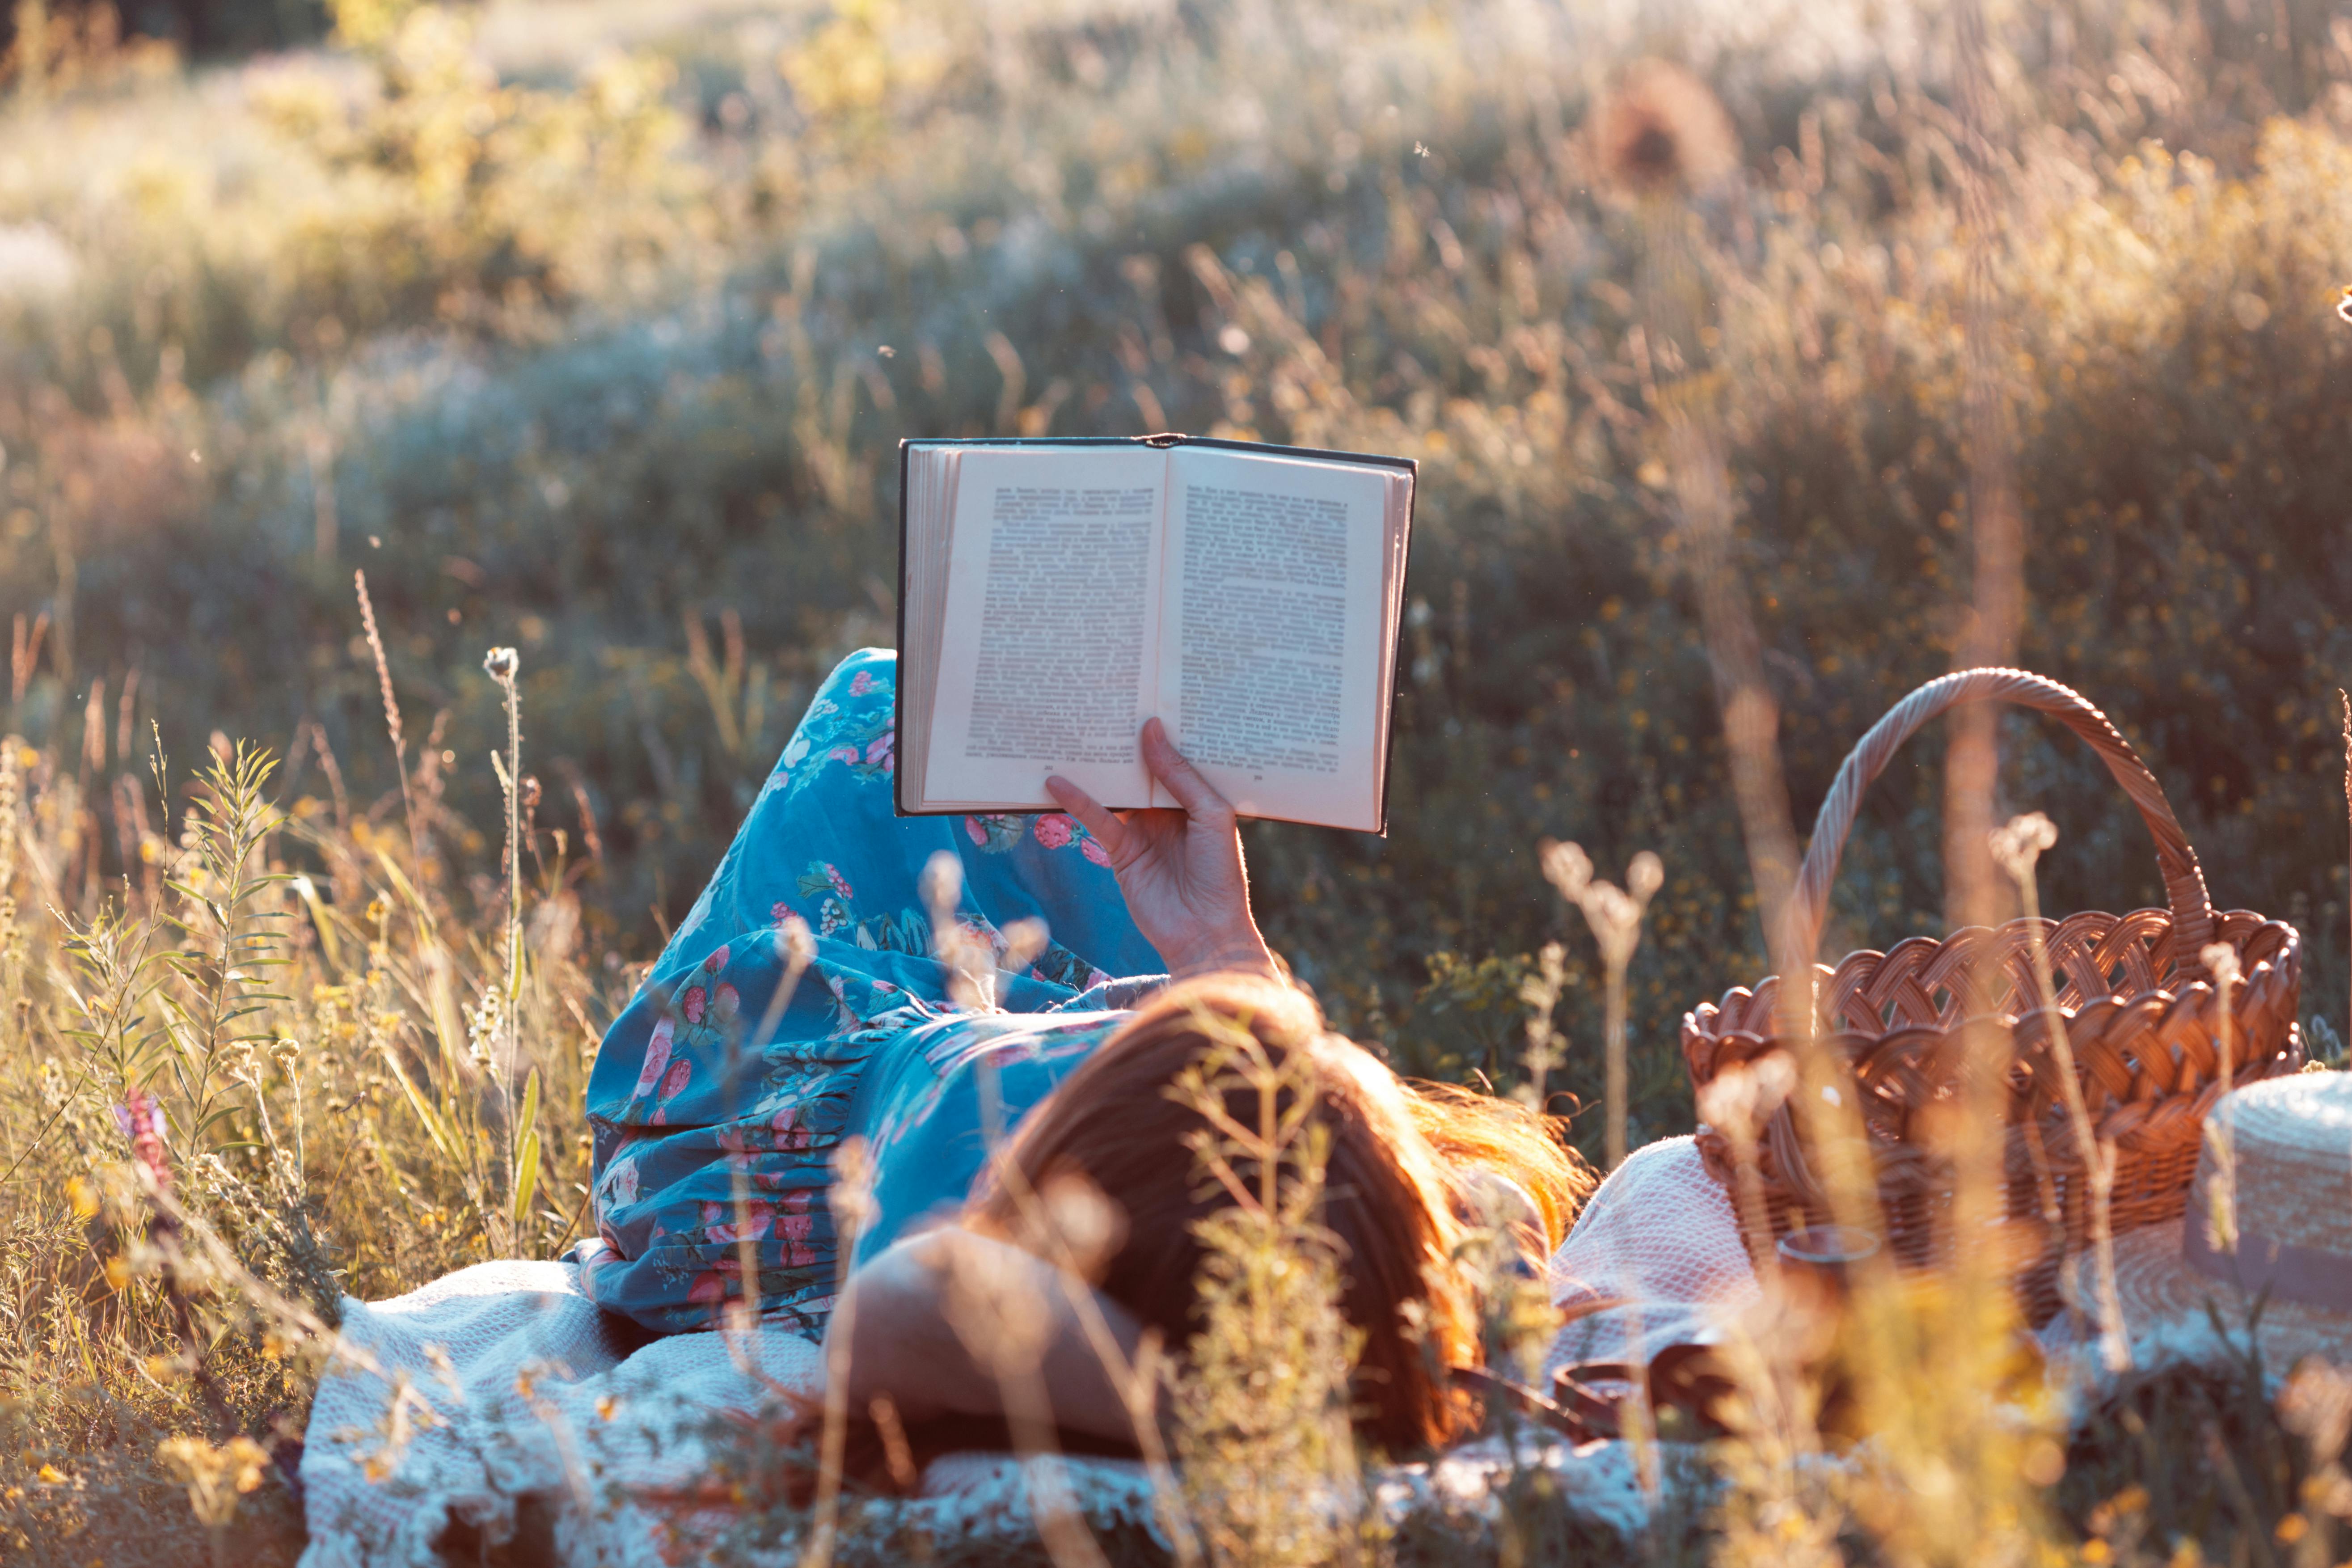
(1180,871)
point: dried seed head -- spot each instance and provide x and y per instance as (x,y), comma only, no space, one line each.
(852,1199)
(2019,844)
(1663,129)
(501,664)
(1073,1211)
(1644,877)
(942,884)
(797,941)
(1740,1097)
(1024,940)
(1568,867)
(1611,911)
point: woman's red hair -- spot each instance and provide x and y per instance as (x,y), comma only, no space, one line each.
(1389,1198)
(1394,1199)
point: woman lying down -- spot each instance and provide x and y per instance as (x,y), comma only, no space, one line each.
(799,1007)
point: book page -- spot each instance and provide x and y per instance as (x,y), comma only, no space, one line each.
(1050,640)
(1274,581)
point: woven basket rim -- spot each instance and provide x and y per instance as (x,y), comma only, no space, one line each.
(1702,1013)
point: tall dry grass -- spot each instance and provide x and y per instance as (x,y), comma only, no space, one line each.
(281,1067)
(573,350)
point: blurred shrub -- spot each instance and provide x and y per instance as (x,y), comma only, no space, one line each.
(462,198)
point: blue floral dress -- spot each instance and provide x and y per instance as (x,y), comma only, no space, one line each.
(717,1105)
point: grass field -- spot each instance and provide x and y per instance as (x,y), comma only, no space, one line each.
(590,329)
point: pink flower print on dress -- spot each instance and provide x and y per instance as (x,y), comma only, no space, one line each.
(721,1223)
(975,831)
(621,1181)
(722,1282)
(656,1056)
(862,683)
(693,1004)
(726,1004)
(1091,848)
(1054,830)
(791,1132)
(674,1081)
(841,754)
(998,1055)
(840,883)
(778,913)
(883,752)
(795,1227)
(716,960)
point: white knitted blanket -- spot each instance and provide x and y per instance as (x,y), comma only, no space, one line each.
(502,1382)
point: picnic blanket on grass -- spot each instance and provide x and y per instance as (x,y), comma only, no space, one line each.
(501,1389)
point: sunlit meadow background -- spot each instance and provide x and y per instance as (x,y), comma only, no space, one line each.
(590,329)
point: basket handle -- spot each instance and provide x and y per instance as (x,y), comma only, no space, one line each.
(2184,882)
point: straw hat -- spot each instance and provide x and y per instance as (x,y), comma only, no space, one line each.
(2290,1150)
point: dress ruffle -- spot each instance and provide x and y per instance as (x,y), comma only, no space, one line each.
(722,1093)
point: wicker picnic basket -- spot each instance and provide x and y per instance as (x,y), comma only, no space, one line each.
(2138,1004)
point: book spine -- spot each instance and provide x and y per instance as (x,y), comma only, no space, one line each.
(899,679)
(1397,676)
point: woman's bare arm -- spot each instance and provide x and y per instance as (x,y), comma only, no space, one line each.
(942,1320)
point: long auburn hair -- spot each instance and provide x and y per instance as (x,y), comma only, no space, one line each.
(1394,1198)
(1389,1197)
(1114,1124)
(1473,1132)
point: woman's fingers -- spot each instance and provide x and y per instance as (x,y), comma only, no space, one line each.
(1099,819)
(1195,793)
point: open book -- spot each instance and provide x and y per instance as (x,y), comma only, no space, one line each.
(1053,595)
